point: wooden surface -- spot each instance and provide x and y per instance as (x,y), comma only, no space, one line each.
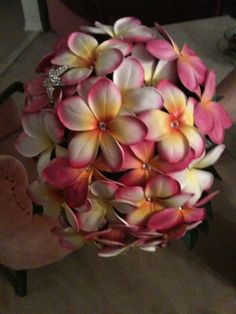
(170,281)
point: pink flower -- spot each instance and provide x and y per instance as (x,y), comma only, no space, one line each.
(84,55)
(190,68)
(210,116)
(98,124)
(154,70)
(136,98)
(140,160)
(139,203)
(42,132)
(127,28)
(36,95)
(72,181)
(174,222)
(173,130)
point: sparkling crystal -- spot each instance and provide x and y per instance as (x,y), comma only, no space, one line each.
(102,126)
(175,124)
(53,80)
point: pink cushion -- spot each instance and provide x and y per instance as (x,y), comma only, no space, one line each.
(26,240)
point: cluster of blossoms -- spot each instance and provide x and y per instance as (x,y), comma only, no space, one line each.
(120,130)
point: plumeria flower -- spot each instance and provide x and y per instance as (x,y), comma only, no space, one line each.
(210,116)
(42,134)
(190,67)
(139,203)
(174,222)
(47,196)
(36,95)
(127,28)
(173,130)
(139,160)
(154,70)
(84,55)
(100,208)
(170,218)
(93,214)
(193,179)
(98,124)
(129,78)
(74,182)
(121,238)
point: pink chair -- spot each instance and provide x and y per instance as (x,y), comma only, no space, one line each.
(26,240)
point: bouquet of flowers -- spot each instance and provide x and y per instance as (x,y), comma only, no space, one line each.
(125,128)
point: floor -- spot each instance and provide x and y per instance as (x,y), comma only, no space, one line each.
(13,38)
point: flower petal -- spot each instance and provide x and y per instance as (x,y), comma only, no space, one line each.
(195,139)
(187,74)
(139,215)
(83,148)
(203,118)
(60,174)
(129,75)
(165,70)
(35,104)
(103,189)
(105,29)
(174,147)
(52,125)
(33,125)
(92,219)
(165,219)
(210,86)
(107,61)
(144,150)
(75,114)
(211,157)
(125,23)
(161,186)
(192,215)
(177,200)
(121,124)
(204,178)
(76,194)
(157,122)
(30,147)
(49,197)
(198,67)
(161,49)
(139,34)
(84,86)
(71,217)
(43,161)
(75,75)
(225,119)
(82,45)
(124,46)
(146,59)
(142,99)
(104,100)
(112,151)
(135,177)
(69,59)
(132,194)
(174,99)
